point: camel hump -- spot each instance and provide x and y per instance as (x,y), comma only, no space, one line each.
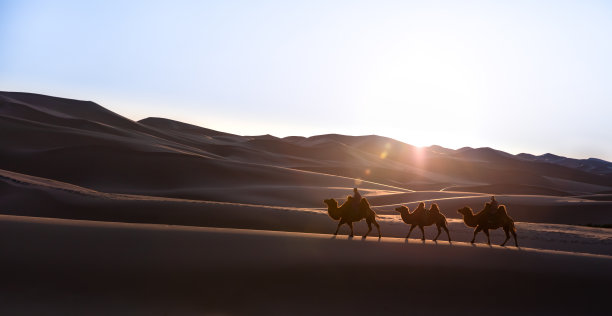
(364,202)
(419,210)
(349,200)
(434,208)
(501,210)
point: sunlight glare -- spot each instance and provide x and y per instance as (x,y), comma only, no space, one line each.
(420,156)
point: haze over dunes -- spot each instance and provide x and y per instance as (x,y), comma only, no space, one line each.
(75,167)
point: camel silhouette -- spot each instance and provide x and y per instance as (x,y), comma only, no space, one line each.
(421,217)
(484,221)
(347,214)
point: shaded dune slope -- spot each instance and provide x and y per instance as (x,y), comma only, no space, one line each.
(148,269)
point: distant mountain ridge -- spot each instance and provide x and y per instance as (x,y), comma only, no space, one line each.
(593,165)
(49,137)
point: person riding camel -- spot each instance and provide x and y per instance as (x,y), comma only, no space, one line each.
(492,208)
(356,199)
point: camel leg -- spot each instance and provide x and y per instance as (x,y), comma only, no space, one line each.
(478,229)
(377,227)
(486,231)
(369,227)
(422,232)
(338,228)
(351,226)
(411,228)
(506,230)
(439,232)
(447,234)
(514,235)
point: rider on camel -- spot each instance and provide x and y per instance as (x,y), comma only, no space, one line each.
(492,208)
(356,199)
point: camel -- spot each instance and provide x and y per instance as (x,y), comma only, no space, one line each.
(485,221)
(422,217)
(347,214)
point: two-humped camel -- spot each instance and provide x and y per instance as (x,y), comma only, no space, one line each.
(422,217)
(348,214)
(487,219)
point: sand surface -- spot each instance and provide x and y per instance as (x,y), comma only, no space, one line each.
(70,266)
(100,214)
(71,202)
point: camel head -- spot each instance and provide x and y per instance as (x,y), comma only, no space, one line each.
(331,202)
(466,210)
(402,209)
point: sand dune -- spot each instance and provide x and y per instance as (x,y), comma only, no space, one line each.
(31,196)
(46,125)
(509,189)
(93,267)
(102,214)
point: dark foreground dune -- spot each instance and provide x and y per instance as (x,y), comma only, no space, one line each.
(54,266)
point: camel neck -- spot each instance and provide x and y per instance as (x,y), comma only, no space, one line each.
(469,219)
(333,211)
(407,216)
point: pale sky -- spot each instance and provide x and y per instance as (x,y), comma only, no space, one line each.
(519,76)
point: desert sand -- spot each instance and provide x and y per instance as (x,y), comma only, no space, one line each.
(100,214)
(119,268)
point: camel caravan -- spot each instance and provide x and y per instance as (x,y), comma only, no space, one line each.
(356,208)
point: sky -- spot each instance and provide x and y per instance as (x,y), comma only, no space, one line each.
(519,76)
